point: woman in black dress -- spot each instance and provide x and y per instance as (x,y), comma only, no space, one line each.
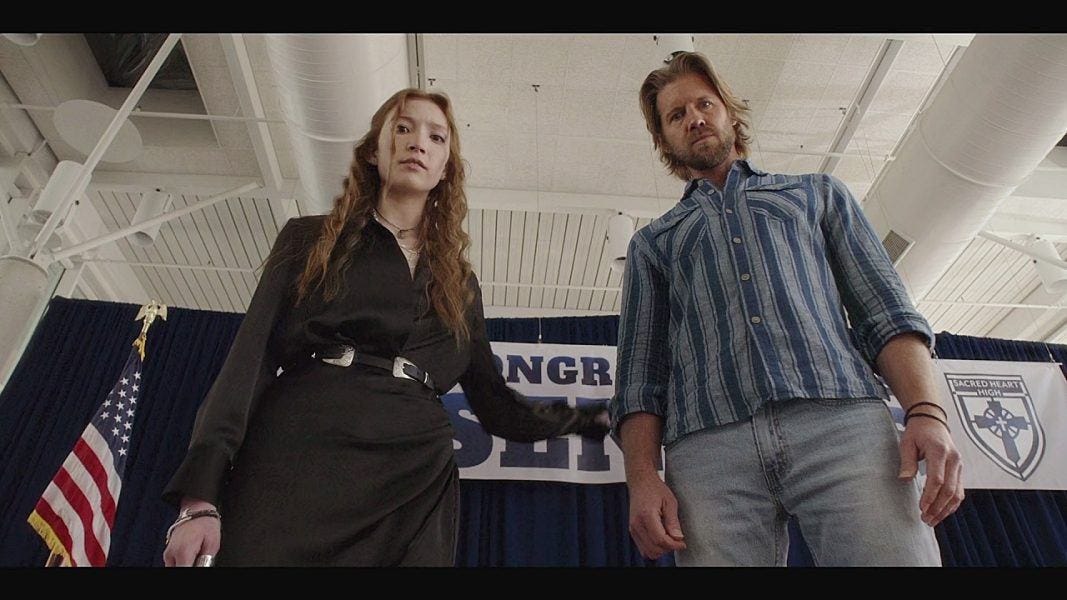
(370,313)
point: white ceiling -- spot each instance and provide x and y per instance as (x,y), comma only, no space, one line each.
(555,142)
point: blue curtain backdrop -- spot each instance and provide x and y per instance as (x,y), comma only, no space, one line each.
(79,349)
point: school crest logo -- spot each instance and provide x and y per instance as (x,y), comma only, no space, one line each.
(1000,418)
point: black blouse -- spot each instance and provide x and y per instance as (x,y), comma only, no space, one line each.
(381,310)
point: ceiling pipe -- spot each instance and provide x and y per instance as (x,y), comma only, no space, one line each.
(998,114)
(329,86)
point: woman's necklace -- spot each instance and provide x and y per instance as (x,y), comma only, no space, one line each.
(410,254)
(399,231)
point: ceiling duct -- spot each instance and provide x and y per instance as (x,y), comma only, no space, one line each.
(999,113)
(330,85)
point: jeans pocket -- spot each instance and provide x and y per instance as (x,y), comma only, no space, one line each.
(837,402)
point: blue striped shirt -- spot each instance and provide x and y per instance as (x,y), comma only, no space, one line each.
(738,297)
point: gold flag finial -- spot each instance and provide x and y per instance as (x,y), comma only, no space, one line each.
(148,312)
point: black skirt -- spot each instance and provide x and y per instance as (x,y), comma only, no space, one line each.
(343,467)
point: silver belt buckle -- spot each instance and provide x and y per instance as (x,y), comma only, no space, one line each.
(398,368)
(345,360)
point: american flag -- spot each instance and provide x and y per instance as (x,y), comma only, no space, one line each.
(77,509)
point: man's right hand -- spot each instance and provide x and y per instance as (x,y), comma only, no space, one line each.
(654,517)
(193,538)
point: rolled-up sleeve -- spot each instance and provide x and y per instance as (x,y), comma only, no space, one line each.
(643,360)
(871,290)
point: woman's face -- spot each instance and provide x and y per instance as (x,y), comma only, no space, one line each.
(413,150)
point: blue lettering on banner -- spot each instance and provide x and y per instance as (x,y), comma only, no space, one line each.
(557,374)
(531,371)
(592,456)
(474,444)
(595,371)
(522,454)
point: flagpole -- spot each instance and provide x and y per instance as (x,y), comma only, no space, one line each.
(94,469)
(148,312)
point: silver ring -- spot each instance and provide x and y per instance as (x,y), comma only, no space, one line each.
(204,560)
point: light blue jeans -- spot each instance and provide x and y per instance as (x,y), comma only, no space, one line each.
(831,463)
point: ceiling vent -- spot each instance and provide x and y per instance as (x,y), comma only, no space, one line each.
(896,245)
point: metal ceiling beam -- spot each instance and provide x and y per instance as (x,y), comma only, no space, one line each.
(102,145)
(125,231)
(244,83)
(887,53)
(1012,223)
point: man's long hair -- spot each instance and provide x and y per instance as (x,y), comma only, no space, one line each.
(685,63)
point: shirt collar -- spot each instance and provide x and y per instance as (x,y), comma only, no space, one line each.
(746,167)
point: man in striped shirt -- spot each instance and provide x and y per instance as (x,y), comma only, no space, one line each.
(755,314)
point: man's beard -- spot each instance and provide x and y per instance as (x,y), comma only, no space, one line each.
(711,154)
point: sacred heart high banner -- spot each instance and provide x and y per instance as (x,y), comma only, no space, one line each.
(1010,423)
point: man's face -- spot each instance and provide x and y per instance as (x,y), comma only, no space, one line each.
(697,128)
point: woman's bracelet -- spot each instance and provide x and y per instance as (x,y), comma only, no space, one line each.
(186,515)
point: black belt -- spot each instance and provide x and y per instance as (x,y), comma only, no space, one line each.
(343,355)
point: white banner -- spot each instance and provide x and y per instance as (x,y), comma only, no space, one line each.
(1009,419)
(1010,422)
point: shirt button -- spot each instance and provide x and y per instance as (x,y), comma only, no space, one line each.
(737,240)
(756,320)
(729,211)
(745,277)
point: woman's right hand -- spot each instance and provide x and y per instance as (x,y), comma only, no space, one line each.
(594,421)
(196,537)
